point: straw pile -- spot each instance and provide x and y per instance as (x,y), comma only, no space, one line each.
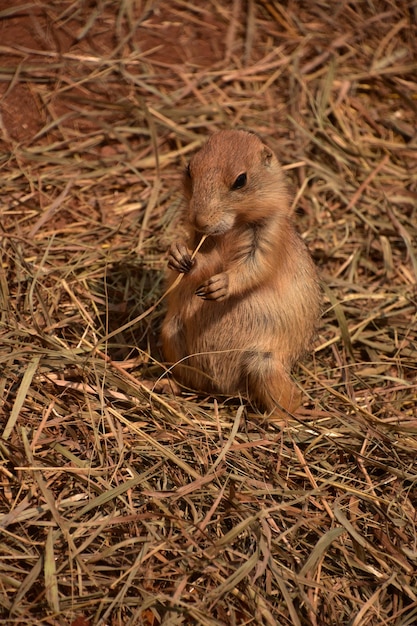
(121,505)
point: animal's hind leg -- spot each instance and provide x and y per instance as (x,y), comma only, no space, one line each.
(173,340)
(173,347)
(185,368)
(270,386)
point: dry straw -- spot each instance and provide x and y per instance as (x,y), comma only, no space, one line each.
(121,505)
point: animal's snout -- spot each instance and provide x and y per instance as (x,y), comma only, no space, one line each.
(203,223)
(213,224)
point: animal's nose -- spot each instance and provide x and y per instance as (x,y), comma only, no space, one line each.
(202,223)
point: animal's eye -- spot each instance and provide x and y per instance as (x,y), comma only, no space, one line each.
(188,171)
(240,181)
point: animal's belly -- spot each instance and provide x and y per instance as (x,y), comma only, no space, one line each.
(234,325)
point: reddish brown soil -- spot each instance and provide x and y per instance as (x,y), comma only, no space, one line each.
(43,38)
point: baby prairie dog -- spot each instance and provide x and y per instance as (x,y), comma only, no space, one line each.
(248,303)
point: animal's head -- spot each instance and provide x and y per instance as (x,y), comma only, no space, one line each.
(235,177)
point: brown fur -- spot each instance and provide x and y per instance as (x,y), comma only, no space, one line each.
(248,304)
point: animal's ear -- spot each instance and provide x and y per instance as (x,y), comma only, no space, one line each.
(267,155)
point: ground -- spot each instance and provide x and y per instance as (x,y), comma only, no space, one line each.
(121,504)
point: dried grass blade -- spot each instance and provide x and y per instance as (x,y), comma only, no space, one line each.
(350,529)
(46,492)
(319,549)
(234,532)
(343,325)
(360,617)
(49,211)
(234,579)
(286,595)
(21,396)
(26,585)
(403,232)
(229,442)
(51,586)
(95,14)
(109,495)
(18,9)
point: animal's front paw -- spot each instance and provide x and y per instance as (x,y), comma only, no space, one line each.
(215,288)
(179,258)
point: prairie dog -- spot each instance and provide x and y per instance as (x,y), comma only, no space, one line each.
(247,305)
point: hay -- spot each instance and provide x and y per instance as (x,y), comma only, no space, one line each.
(121,505)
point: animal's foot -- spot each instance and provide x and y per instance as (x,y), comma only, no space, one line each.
(215,288)
(179,258)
